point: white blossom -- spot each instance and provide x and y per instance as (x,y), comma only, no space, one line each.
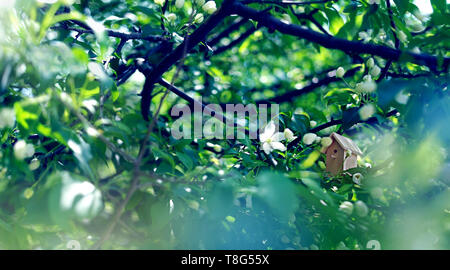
(309,138)
(23,150)
(210,7)
(271,140)
(366,111)
(312,123)
(7,118)
(366,86)
(289,135)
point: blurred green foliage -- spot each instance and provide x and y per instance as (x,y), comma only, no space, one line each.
(63,88)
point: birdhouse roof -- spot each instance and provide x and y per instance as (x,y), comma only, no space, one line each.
(346,143)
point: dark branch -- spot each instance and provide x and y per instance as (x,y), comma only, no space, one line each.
(190,42)
(111,33)
(338,43)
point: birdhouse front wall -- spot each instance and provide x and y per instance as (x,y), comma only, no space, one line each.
(335,158)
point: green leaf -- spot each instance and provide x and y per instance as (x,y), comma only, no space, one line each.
(300,123)
(186,160)
(279,193)
(402,5)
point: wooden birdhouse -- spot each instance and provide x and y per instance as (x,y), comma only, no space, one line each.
(342,154)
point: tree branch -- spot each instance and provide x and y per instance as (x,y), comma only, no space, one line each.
(189,43)
(339,43)
(111,33)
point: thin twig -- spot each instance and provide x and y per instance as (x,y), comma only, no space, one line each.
(143,148)
(396,43)
(111,33)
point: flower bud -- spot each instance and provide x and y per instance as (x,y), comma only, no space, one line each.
(367,77)
(346,207)
(160,2)
(217,148)
(34,164)
(309,138)
(179,3)
(363,35)
(198,18)
(391,44)
(361,209)
(171,17)
(7,118)
(326,141)
(210,7)
(200,2)
(286,19)
(375,71)
(370,63)
(402,36)
(312,123)
(415,50)
(340,72)
(322,165)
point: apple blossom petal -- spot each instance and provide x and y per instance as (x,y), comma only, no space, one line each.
(278,146)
